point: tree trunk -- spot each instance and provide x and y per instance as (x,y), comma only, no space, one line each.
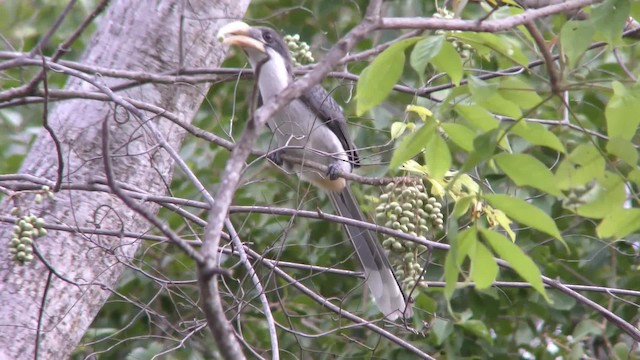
(132,35)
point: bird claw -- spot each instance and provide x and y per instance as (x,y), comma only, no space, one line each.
(333,171)
(275,157)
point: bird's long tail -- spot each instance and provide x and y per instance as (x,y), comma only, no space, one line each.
(378,272)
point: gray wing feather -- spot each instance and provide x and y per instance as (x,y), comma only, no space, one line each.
(328,111)
(378,271)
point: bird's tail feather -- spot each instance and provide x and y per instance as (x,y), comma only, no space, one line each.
(378,271)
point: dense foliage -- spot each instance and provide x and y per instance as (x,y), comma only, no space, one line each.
(534,163)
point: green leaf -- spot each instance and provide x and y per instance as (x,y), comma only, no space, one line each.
(635,10)
(619,224)
(489,44)
(624,150)
(609,19)
(412,144)
(482,90)
(461,206)
(484,268)
(499,217)
(525,213)
(561,301)
(467,241)
(451,272)
(477,117)
(623,103)
(377,79)
(537,134)
(634,175)
(477,328)
(421,111)
(460,135)
(575,38)
(397,129)
(441,329)
(517,259)
(585,328)
(623,351)
(437,157)
(525,170)
(423,52)
(486,95)
(581,166)
(449,61)
(519,91)
(607,196)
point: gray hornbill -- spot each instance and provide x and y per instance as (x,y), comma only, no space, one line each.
(313,127)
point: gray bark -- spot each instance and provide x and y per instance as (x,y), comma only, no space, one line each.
(131,35)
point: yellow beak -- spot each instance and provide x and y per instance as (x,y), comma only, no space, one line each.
(240,34)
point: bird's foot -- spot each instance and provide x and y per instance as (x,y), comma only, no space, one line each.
(275,157)
(333,171)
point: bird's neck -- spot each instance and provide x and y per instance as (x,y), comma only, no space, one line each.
(274,78)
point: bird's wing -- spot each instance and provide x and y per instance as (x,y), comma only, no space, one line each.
(328,111)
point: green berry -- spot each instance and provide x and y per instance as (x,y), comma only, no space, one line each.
(409,214)
(388,242)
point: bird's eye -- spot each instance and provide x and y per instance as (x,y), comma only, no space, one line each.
(267,36)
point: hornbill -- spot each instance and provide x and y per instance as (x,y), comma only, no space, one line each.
(313,128)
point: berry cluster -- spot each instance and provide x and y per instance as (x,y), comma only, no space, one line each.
(28,228)
(410,209)
(300,50)
(465,50)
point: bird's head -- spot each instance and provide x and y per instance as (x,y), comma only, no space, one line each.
(260,44)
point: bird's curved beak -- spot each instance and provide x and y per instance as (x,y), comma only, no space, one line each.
(240,34)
